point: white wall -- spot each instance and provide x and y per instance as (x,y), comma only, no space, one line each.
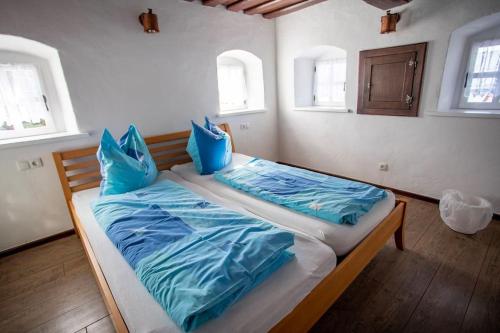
(426,154)
(118,75)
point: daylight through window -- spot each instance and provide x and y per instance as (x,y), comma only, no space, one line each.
(24,107)
(232,87)
(329,82)
(482,82)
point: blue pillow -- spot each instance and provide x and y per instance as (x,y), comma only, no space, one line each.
(209,147)
(126,166)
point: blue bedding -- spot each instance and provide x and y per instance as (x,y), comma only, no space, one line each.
(194,257)
(329,198)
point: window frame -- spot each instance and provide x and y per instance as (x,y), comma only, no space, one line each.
(244,105)
(469,75)
(48,89)
(331,103)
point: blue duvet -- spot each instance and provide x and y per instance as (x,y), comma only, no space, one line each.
(194,257)
(329,198)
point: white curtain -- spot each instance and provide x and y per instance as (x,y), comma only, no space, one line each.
(329,82)
(22,103)
(232,87)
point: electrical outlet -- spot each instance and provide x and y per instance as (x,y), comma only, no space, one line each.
(382,166)
(23,165)
(36,163)
(245,126)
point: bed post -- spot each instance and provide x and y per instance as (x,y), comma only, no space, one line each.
(399,235)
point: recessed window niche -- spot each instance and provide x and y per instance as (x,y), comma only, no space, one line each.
(320,78)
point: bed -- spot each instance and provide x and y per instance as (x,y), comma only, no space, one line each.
(79,174)
(140,311)
(343,238)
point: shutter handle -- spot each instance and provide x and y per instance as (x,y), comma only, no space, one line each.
(45,101)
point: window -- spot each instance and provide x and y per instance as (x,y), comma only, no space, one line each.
(240,82)
(232,87)
(34,98)
(482,80)
(320,79)
(471,79)
(24,106)
(330,82)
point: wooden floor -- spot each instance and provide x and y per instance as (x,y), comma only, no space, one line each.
(444,282)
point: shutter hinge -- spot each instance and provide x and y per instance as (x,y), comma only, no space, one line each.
(412,63)
(409,100)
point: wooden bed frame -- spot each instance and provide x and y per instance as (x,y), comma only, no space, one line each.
(79,170)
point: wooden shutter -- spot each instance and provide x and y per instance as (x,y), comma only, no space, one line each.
(390,80)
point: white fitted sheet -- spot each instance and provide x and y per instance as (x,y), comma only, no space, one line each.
(341,237)
(258,311)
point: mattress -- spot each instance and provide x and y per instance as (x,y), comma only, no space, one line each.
(258,311)
(342,238)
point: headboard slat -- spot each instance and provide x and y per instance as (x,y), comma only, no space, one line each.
(72,154)
(78,169)
(85,186)
(175,146)
(82,165)
(86,175)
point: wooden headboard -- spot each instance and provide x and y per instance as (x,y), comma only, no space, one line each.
(78,169)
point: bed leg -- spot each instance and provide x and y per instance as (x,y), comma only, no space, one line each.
(399,235)
(399,238)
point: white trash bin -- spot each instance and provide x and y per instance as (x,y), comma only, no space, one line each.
(464,213)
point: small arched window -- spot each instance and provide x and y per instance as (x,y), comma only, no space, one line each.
(34,99)
(471,78)
(320,78)
(240,82)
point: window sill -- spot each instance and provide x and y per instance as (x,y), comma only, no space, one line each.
(37,139)
(239,112)
(465,113)
(323,109)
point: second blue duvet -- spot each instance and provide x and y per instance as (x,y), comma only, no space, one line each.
(194,257)
(332,199)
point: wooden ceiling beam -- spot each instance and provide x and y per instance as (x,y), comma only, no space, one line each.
(268,8)
(291,9)
(213,3)
(271,6)
(386,4)
(245,4)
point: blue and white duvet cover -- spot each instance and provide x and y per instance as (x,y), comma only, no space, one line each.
(329,198)
(194,257)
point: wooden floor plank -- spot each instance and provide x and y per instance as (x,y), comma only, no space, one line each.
(443,305)
(25,311)
(483,313)
(39,258)
(31,283)
(76,319)
(105,325)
